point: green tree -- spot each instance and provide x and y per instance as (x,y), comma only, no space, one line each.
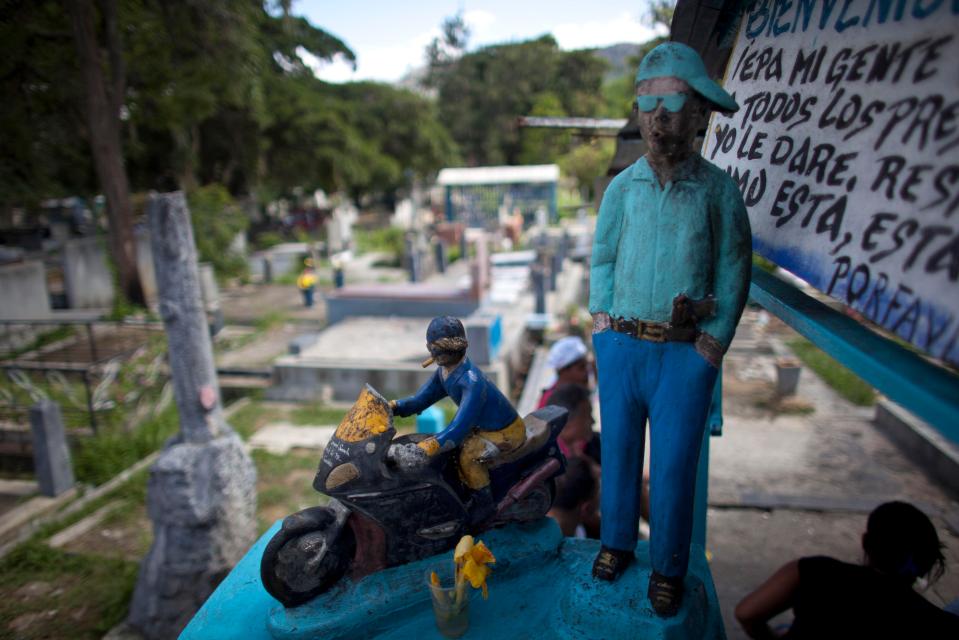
(203,74)
(95,28)
(481,94)
(216,221)
(404,129)
(444,50)
(197,93)
(543,146)
(587,162)
(41,155)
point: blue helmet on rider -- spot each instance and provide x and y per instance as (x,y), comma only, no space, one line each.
(446,340)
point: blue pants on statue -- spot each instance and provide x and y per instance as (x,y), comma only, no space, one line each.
(670,384)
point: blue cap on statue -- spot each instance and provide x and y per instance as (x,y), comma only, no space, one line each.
(676,60)
(444,327)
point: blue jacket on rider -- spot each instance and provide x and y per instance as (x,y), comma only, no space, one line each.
(481,404)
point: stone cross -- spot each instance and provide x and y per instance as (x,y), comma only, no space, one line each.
(201,494)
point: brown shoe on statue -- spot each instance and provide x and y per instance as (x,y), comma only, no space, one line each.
(610,563)
(665,594)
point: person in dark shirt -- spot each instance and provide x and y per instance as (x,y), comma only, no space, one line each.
(577,495)
(577,437)
(833,599)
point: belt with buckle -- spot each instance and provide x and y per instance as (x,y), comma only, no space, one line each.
(653,331)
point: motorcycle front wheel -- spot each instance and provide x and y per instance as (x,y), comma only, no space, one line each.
(307,556)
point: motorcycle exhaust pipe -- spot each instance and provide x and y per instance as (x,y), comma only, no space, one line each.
(520,491)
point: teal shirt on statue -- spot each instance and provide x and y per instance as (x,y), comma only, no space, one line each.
(652,243)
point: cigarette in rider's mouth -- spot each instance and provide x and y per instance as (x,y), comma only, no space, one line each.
(427,362)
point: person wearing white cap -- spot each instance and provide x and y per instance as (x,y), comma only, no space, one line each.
(568,357)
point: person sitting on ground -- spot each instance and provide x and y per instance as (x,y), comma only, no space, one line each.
(576,502)
(569,358)
(577,439)
(833,599)
(580,444)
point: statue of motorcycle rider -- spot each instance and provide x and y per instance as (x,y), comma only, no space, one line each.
(485,421)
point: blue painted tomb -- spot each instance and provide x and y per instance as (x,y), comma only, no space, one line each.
(541,588)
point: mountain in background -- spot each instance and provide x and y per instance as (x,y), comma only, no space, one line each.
(620,57)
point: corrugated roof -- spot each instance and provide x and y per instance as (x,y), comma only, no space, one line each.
(534,173)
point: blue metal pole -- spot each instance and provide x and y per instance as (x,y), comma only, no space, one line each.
(929,391)
(714,427)
(553,216)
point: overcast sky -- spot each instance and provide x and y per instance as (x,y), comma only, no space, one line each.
(389,37)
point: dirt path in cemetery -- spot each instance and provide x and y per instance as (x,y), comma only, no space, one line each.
(831,465)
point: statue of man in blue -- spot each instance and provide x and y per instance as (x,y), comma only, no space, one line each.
(669,280)
(484,418)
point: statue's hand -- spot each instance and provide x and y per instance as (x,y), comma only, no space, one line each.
(408,456)
(430,446)
(600,321)
(710,349)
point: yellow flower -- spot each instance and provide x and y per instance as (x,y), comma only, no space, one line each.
(472,563)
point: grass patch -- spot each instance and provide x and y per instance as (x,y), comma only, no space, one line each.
(284,484)
(273,496)
(763,263)
(133,492)
(777,406)
(49,337)
(47,593)
(113,449)
(271,466)
(316,414)
(248,419)
(842,380)
(269,320)
(51,593)
(387,240)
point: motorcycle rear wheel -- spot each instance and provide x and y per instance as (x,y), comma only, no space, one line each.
(307,556)
(534,505)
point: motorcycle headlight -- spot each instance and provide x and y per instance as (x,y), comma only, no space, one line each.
(341,475)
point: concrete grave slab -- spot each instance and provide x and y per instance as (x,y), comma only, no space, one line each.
(280,437)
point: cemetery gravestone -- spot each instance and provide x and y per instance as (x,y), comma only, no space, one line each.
(201,494)
(51,455)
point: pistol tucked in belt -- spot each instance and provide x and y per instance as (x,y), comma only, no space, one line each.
(654,331)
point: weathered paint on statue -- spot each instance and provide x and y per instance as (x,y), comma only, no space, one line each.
(484,414)
(669,280)
(394,500)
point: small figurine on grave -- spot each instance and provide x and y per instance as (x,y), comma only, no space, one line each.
(484,417)
(669,280)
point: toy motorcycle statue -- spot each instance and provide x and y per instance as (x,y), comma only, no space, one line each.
(384,513)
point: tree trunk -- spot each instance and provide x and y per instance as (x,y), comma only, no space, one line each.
(103,120)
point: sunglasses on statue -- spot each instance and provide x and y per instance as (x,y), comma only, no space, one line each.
(673,102)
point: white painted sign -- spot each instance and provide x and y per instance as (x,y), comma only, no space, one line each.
(846,150)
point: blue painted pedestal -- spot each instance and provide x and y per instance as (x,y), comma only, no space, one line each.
(541,588)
